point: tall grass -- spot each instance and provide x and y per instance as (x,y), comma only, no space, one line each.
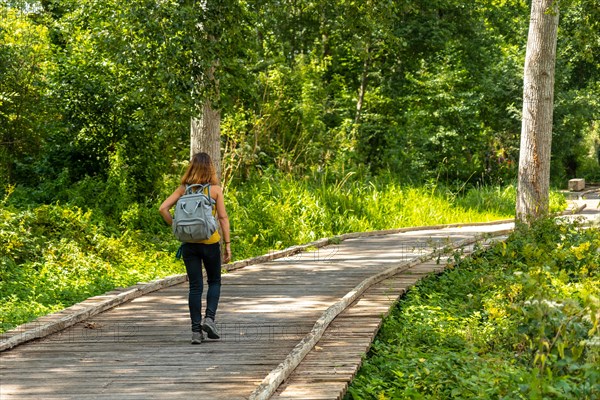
(273,213)
(54,256)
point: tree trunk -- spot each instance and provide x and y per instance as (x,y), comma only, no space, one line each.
(363,86)
(205,135)
(538,97)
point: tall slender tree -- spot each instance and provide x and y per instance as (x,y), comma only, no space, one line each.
(221,38)
(538,98)
(205,130)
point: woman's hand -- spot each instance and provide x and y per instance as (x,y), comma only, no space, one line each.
(227,253)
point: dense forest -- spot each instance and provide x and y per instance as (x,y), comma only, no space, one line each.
(101,93)
(334,116)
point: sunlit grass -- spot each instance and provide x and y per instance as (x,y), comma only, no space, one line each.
(274,213)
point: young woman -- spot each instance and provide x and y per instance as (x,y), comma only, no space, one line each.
(206,252)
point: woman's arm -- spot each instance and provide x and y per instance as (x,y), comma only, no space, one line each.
(223,221)
(165,207)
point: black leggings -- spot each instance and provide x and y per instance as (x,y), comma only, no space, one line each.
(194,255)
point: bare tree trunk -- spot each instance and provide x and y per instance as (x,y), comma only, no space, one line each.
(205,135)
(538,98)
(363,86)
(205,132)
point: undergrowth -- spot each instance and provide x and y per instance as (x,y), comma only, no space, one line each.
(54,256)
(518,321)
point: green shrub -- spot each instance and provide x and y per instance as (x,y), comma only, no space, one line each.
(519,321)
(54,256)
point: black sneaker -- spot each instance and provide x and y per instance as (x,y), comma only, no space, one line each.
(196,337)
(208,326)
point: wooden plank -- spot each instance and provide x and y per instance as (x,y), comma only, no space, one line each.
(311,391)
(119,390)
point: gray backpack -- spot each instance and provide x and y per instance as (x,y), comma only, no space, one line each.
(193,220)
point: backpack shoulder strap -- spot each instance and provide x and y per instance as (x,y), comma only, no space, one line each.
(195,188)
(207,186)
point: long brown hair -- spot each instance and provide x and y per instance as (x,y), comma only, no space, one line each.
(201,170)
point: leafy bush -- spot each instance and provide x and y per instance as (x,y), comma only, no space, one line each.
(518,321)
(54,256)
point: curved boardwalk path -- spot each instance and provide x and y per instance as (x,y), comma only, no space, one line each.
(140,349)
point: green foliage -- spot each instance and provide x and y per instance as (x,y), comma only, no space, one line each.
(260,210)
(420,89)
(289,129)
(120,84)
(116,77)
(53,256)
(25,115)
(589,160)
(575,145)
(518,321)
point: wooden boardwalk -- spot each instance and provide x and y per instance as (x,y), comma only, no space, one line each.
(140,349)
(331,365)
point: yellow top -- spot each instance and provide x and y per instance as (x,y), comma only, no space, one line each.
(215,237)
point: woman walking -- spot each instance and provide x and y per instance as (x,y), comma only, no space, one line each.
(206,252)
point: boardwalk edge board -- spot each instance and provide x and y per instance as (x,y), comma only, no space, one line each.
(81,311)
(279,374)
(52,323)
